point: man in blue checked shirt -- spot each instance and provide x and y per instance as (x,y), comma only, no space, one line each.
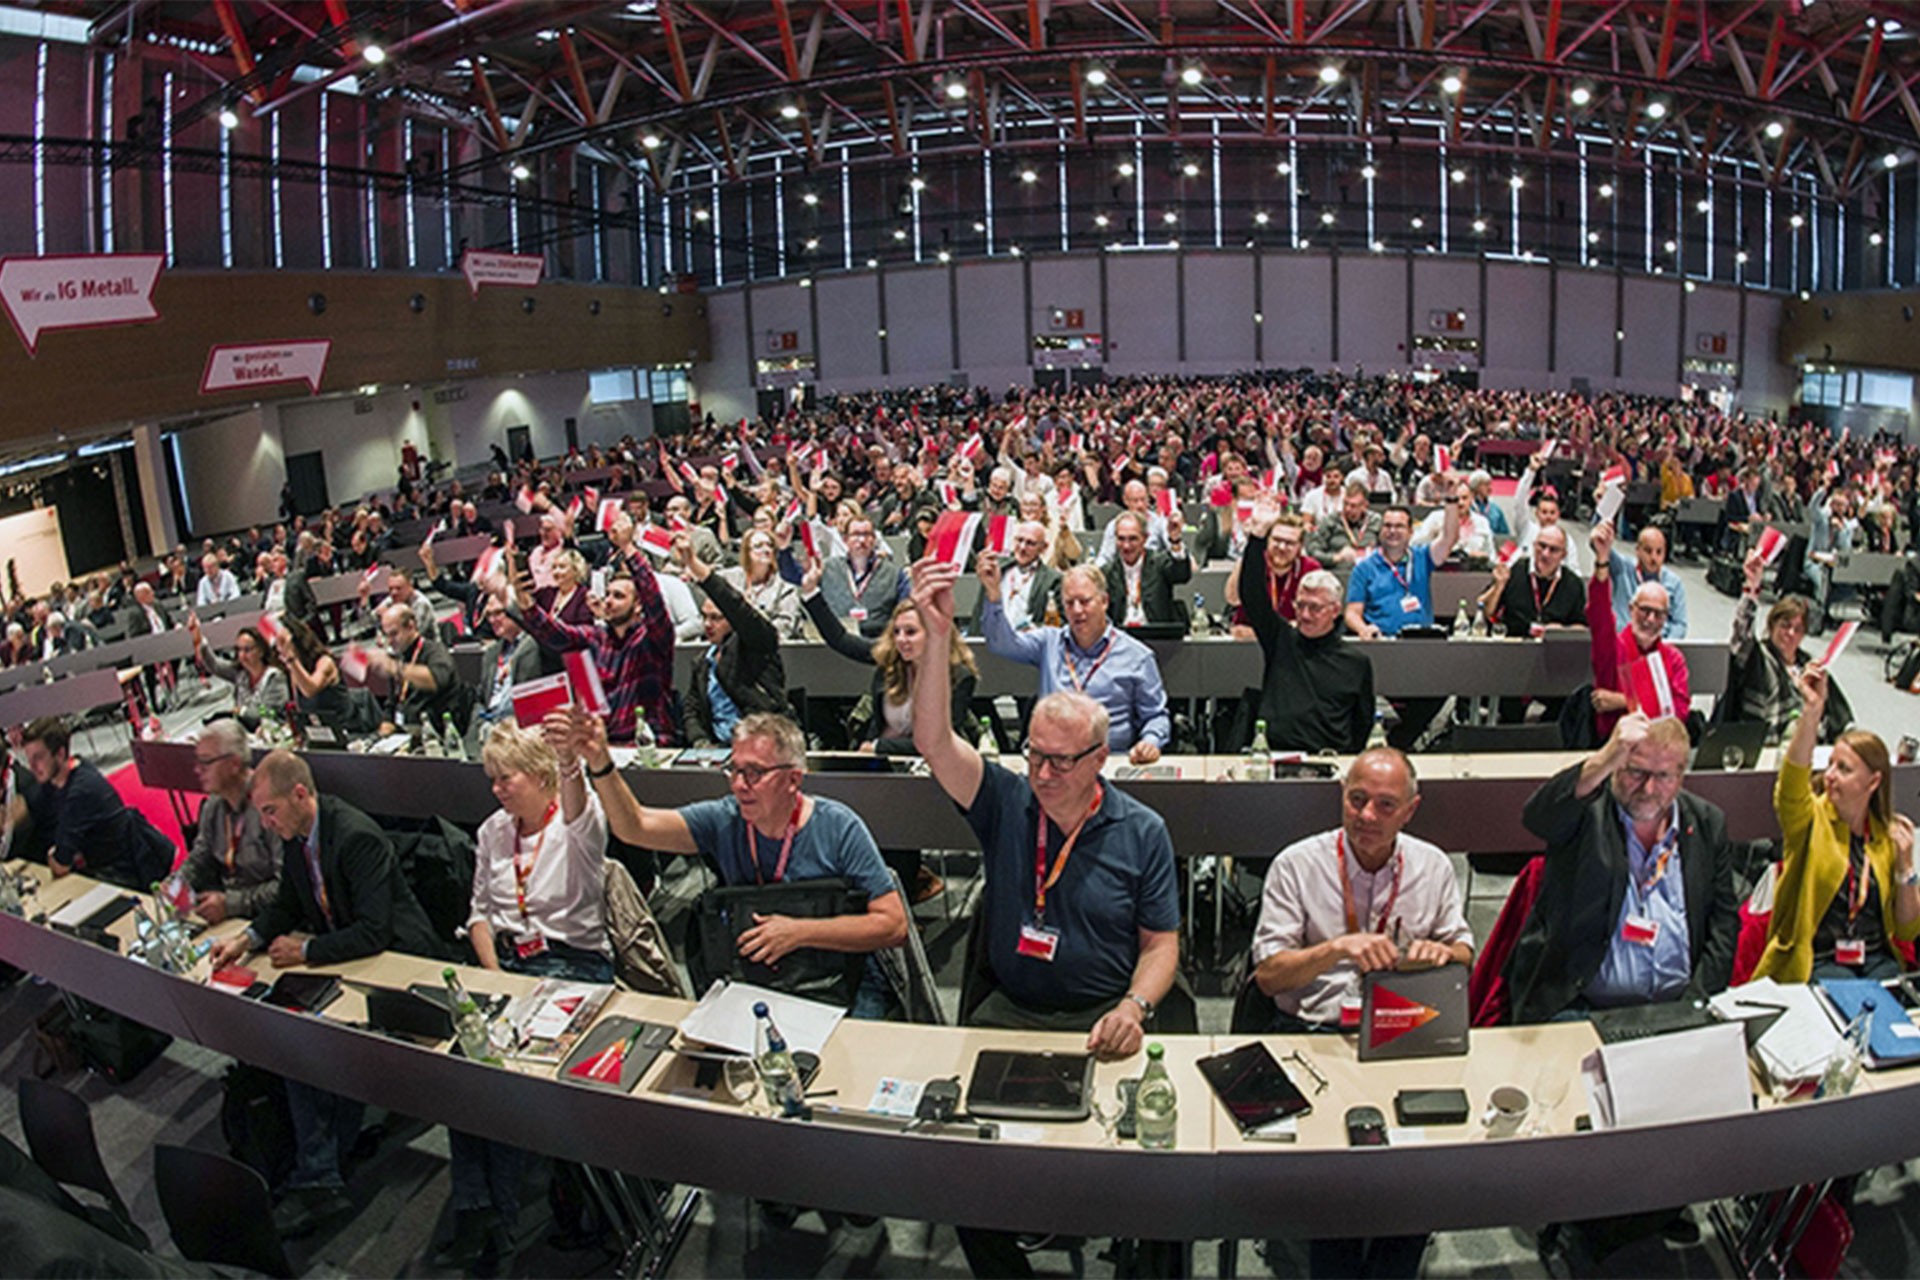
(1089,655)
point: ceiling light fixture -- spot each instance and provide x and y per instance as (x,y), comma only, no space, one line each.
(1580,95)
(1283,168)
(1458,176)
(956,88)
(809,198)
(1262,218)
(373,53)
(521,173)
(1452,83)
(916,183)
(1656,110)
(1191,74)
(1606,191)
(1126,168)
(1776,128)
(1329,74)
(1369,172)
(1326,217)
(1419,224)
(1096,76)
(651,141)
(229,119)
(1190,169)
(1029,177)
(1796,222)
(1480,226)
(789,111)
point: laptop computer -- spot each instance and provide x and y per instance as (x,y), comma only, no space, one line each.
(1638,1021)
(1418,1013)
(1157,631)
(1717,748)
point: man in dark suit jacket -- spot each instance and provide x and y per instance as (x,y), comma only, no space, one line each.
(743,656)
(1621,837)
(341,898)
(515,662)
(1743,506)
(1140,583)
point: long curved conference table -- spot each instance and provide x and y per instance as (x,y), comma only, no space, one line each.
(1068,1177)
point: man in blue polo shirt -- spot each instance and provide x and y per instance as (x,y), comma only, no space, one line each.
(1082,906)
(1392,589)
(767,830)
(1088,655)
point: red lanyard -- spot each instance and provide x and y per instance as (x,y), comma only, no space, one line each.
(521,874)
(1539,605)
(1672,842)
(1274,593)
(1394,569)
(233,837)
(1857,904)
(859,584)
(786,845)
(1043,879)
(1346,887)
(1073,674)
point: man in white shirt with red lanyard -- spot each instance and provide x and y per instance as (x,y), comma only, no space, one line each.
(1360,898)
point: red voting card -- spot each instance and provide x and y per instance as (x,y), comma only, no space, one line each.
(1838,645)
(532,701)
(583,677)
(1166,503)
(952,537)
(997,534)
(657,540)
(1646,680)
(354,663)
(1772,543)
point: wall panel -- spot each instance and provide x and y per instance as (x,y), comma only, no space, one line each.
(1584,337)
(919,323)
(1373,312)
(1650,353)
(849,352)
(1295,294)
(993,332)
(1142,297)
(1218,298)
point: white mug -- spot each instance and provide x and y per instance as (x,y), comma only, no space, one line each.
(1507,1108)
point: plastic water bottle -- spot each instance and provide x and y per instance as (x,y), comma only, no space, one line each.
(469,1024)
(1462,623)
(455,747)
(1378,738)
(989,745)
(1200,624)
(1156,1109)
(1479,620)
(10,894)
(1257,745)
(773,1062)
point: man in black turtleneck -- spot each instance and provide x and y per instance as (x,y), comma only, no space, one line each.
(1318,690)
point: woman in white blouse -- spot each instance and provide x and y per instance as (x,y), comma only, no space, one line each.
(757,579)
(539,907)
(539,870)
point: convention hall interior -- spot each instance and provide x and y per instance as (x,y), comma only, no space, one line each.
(1418,502)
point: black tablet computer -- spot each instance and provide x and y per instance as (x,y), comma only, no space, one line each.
(1253,1086)
(1010,1085)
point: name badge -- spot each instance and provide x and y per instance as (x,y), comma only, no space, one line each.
(1536,631)
(1038,943)
(857,614)
(1851,952)
(1641,930)
(1409,604)
(528,948)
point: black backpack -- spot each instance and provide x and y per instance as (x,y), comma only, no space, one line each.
(257,1121)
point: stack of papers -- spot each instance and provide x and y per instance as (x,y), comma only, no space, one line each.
(1798,1045)
(1687,1075)
(552,1017)
(724,1018)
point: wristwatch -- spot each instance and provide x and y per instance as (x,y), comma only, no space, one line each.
(1911,880)
(1146,1006)
(603,772)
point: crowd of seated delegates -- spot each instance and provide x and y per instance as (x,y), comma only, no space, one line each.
(1295,529)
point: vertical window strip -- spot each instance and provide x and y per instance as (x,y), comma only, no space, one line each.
(226,198)
(1293,181)
(413,233)
(1445,187)
(446,196)
(917,247)
(1373,236)
(166,161)
(40,152)
(780,216)
(1586,256)
(986,186)
(1646,216)
(326,171)
(1064,243)
(106,168)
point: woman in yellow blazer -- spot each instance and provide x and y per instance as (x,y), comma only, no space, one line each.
(1847,881)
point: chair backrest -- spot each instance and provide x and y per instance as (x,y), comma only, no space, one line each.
(218,1210)
(59,1133)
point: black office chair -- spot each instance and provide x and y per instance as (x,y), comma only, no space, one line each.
(59,1131)
(218,1210)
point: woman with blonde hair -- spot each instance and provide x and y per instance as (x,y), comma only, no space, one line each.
(757,579)
(1848,888)
(882,721)
(539,907)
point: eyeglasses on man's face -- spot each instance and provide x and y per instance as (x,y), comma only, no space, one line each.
(1053,762)
(752,774)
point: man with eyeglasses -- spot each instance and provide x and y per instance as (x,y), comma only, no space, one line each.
(1641,639)
(234,866)
(1028,585)
(1636,905)
(1091,942)
(861,585)
(1318,690)
(1636,902)
(1088,655)
(1647,565)
(768,830)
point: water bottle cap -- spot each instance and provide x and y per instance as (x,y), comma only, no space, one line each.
(760,1008)
(1156,1051)
(446,974)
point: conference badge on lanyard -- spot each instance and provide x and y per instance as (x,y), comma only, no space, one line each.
(1640,930)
